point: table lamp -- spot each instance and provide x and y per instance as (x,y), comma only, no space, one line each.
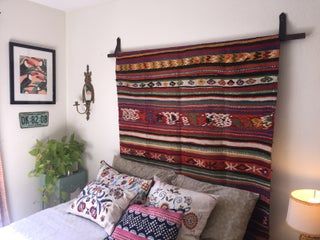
(304,213)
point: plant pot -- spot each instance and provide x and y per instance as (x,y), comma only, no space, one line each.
(75,167)
(65,187)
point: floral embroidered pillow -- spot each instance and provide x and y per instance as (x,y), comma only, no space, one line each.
(196,206)
(110,176)
(102,204)
(140,222)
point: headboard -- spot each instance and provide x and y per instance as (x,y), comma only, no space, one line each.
(206,111)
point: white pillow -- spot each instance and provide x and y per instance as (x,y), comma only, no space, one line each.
(102,203)
(195,206)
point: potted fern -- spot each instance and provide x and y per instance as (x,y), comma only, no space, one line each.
(55,159)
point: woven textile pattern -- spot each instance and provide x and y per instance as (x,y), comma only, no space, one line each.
(206,111)
(141,223)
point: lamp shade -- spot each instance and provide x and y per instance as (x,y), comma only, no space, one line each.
(304,211)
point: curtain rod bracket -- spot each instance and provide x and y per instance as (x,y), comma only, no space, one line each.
(283,36)
(117,50)
(283,30)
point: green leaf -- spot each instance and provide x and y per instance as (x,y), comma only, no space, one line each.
(53,158)
(34,151)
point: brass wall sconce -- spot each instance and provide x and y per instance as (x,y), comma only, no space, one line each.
(87,94)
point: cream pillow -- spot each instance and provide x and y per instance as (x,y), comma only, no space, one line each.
(195,206)
(102,204)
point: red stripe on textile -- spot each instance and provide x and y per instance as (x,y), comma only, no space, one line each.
(171,216)
(192,107)
(171,50)
(200,71)
(218,157)
(120,234)
(205,51)
(207,89)
(195,133)
(219,132)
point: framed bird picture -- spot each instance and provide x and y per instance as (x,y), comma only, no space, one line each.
(32,74)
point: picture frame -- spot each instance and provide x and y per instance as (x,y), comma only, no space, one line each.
(32,74)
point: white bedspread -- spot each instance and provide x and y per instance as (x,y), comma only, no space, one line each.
(53,224)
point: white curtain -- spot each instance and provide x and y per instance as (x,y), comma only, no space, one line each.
(4,215)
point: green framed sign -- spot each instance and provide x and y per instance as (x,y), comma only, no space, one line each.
(33,119)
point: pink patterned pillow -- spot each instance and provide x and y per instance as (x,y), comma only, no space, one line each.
(143,223)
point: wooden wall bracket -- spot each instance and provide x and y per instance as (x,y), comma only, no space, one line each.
(117,50)
(283,36)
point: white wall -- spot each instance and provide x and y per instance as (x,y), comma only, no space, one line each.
(29,23)
(92,32)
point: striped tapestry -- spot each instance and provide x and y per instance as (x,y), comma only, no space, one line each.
(206,111)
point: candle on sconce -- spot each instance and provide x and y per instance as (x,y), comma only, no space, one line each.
(87,94)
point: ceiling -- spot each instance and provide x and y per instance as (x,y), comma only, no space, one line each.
(68,5)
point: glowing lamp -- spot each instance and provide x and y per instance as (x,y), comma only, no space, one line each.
(304,213)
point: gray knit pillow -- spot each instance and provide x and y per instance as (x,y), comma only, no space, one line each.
(230,217)
(142,170)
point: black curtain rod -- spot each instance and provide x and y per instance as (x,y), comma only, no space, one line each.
(283,36)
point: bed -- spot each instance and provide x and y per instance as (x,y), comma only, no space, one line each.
(228,220)
(52,224)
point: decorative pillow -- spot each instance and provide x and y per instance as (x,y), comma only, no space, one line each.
(110,176)
(231,215)
(140,222)
(195,206)
(145,171)
(102,204)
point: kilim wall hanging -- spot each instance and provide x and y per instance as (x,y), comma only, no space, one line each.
(206,111)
